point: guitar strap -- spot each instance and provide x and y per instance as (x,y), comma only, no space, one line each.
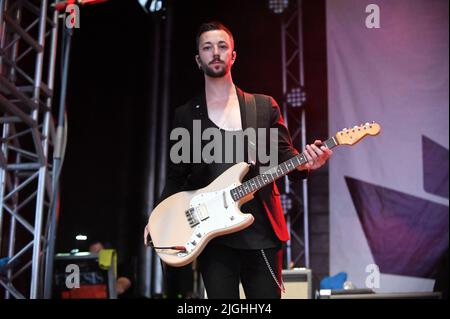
(250,117)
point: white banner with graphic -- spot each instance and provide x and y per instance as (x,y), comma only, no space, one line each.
(388,62)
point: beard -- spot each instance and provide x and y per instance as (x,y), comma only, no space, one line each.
(211,71)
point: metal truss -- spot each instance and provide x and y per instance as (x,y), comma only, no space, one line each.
(295,197)
(28,36)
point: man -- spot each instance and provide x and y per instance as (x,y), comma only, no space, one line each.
(253,255)
(123,282)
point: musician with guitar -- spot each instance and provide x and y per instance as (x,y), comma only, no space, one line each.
(215,211)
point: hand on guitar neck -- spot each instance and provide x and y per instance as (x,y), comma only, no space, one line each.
(317,155)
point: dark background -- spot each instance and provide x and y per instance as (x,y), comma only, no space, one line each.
(108,107)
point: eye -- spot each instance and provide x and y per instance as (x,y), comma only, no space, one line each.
(206,48)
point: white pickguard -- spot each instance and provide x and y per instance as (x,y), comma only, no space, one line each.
(214,212)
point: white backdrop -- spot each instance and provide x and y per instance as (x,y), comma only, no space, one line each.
(396,75)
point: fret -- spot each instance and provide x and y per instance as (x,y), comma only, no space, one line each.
(331,143)
(303,159)
(259,181)
(274,173)
(290,164)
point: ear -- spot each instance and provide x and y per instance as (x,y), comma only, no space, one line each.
(233,56)
(197,60)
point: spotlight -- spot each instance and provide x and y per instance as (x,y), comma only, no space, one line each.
(81,237)
(278,6)
(296,97)
(286,202)
(152,6)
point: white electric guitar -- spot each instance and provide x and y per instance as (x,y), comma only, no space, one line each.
(182,224)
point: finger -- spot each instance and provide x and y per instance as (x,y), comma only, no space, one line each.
(308,156)
(312,152)
(324,157)
(317,150)
(328,152)
(318,142)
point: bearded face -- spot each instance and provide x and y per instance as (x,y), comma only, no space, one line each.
(216,55)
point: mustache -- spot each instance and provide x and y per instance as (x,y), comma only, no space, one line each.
(216,60)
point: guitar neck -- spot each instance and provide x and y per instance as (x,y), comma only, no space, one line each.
(271,175)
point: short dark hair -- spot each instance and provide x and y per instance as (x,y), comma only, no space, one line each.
(210,26)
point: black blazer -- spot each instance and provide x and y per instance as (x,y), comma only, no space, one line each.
(189,176)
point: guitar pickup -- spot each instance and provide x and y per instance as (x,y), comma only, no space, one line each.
(225,204)
(202,212)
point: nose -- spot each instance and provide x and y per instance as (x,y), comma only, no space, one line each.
(216,50)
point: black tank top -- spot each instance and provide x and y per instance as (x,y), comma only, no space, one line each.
(260,234)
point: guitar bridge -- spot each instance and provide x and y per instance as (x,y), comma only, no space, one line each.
(192,217)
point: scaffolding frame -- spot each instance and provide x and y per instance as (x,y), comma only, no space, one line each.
(295,196)
(28,43)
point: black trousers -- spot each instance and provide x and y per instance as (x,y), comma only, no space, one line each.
(222,267)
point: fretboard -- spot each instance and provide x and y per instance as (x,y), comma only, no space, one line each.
(271,175)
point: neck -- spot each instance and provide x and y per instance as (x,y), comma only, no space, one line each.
(218,88)
(271,175)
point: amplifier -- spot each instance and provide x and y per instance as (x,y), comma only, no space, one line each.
(297,284)
(94,283)
(370,294)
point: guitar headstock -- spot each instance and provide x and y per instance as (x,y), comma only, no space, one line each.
(353,135)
